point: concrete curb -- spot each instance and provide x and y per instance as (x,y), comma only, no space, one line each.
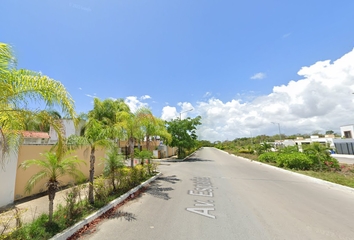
(190,154)
(70,231)
(317,180)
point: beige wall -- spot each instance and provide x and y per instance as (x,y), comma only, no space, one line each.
(152,144)
(28,152)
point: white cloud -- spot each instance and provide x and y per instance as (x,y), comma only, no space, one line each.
(88,95)
(80,88)
(169,113)
(286,35)
(259,75)
(207,94)
(134,103)
(321,100)
(145,97)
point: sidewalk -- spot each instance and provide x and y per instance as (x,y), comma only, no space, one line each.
(37,205)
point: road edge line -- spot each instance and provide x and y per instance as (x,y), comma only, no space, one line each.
(73,229)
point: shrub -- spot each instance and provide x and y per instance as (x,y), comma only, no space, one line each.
(297,161)
(268,157)
(250,151)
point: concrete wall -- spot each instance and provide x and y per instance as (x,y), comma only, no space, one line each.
(8,179)
(33,152)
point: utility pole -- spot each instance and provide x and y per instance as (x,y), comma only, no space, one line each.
(279,131)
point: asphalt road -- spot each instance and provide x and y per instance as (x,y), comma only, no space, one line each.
(348,160)
(234,199)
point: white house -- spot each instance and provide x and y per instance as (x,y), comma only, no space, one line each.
(347,131)
(68,129)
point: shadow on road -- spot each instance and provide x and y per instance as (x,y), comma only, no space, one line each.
(171,179)
(197,160)
(157,190)
(127,216)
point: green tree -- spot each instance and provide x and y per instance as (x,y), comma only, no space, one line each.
(113,162)
(18,87)
(183,133)
(319,151)
(132,123)
(52,168)
(95,135)
(106,111)
(155,127)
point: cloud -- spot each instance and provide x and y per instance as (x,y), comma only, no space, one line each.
(134,103)
(259,75)
(80,88)
(286,35)
(169,113)
(207,94)
(145,97)
(88,95)
(321,100)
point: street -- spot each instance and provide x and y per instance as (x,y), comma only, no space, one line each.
(214,195)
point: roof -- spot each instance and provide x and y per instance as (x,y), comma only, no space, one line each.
(33,134)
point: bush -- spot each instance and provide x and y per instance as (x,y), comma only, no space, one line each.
(268,157)
(298,161)
(250,151)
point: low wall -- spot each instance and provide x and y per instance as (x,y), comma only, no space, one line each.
(28,152)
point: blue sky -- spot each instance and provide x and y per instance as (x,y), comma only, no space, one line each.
(183,53)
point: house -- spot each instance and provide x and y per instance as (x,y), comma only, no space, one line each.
(68,129)
(347,131)
(35,138)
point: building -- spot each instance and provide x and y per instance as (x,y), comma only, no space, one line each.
(347,131)
(68,129)
(35,138)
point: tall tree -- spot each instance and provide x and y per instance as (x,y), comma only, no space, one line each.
(132,123)
(52,168)
(18,87)
(95,135)
(155,127)
(183,133)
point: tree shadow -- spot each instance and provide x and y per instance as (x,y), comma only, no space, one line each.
(170,179)
(126,215)
(157,191)
(197,160)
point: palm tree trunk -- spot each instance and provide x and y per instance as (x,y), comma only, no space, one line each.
(132,151)
(147,142)
(51,196)
(92,171)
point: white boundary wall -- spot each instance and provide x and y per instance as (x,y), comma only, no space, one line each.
(8,179)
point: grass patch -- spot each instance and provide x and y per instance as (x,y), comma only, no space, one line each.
(345,178)
(245,155)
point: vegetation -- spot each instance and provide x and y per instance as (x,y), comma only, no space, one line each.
(95,135)
(77,209)
(183,134)
(19,87)
(52,169)
(132,124)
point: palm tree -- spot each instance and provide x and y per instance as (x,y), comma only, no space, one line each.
(319,151)
(52,168)
(18,87)
(132,123)
(113,163)
(95,135)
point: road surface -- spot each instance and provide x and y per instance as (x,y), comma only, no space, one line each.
(215,195)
